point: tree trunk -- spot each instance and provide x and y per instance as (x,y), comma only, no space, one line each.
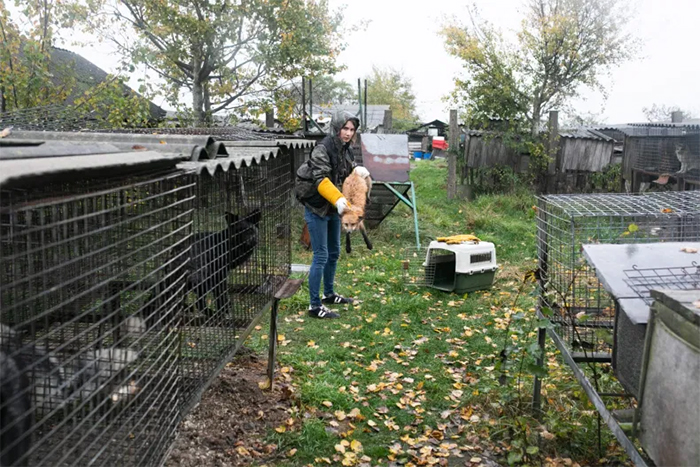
(197,88)
(208,117)
(536,116)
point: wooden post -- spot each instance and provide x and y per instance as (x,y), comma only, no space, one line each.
(452,152)
(552,151)
(305,123)
(270,118)
(364,127)
(387,121)
(424,143)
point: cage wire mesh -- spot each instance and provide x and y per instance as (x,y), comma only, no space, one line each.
(240,257)
(418,270)
(643,280)
(581,308)
(426,267)
(675,151)
(89,340)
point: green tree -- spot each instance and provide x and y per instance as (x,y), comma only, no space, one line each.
(563,47)
(387,86)
(30,77)
(26,71)
(662,112)
(227,55)
(326,91)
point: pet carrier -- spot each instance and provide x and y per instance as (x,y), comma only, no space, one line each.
(458,268)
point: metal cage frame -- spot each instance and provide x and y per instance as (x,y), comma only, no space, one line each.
(126,288)
(580,306)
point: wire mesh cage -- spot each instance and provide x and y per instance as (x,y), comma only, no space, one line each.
(644,280)
(240,257)
(580,306)
(124,292)
(676,151)
(88,339)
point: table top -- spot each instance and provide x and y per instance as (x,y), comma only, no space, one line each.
(624,270)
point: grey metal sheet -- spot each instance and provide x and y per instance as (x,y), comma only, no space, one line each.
(15,170)
(288,142)
(610,262)
(386,157)
(237,157)
(11,148)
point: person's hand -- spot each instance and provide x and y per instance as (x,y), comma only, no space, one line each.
(361,171)
(341,205)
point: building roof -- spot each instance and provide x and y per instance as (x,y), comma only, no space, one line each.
(87,75)
(434,124)
(375,113)
(582,133)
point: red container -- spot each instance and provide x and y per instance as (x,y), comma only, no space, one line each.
(439,144)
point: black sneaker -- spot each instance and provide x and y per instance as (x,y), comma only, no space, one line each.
(336,299)
(322,312)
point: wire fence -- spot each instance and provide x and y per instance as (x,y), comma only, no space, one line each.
(122,297)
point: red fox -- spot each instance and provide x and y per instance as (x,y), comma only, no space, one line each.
(356,190)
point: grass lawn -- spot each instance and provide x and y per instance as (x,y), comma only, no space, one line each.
(415,376)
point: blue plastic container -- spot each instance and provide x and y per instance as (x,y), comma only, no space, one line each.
(417,154)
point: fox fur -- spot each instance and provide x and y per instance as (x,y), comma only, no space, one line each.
(356,190)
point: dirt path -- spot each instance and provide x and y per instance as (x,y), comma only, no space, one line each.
(228,427)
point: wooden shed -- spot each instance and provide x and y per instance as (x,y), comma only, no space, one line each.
(579,150)
(649,153)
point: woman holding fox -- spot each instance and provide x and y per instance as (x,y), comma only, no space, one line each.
(317,188)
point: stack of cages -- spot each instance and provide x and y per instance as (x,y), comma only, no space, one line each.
(673,151)
(570,293)
(92,275)
(240,256)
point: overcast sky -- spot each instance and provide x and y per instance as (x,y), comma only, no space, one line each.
(403,34)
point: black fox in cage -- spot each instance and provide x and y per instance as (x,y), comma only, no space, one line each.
(215,254)
(75,258)
(122,295)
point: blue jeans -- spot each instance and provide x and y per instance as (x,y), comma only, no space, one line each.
(325,243)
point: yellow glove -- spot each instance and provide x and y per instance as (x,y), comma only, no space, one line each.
(455,239)
(329,191)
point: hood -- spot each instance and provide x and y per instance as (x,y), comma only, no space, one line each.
(340,118)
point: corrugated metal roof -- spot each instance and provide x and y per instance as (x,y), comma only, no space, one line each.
(586,133)
(240,157)
(38,154)
(583,133)
(16,170)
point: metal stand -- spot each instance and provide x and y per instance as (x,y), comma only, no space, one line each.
(410,203)
(288,289)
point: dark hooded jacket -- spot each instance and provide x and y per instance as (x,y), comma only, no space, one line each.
(330,158)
